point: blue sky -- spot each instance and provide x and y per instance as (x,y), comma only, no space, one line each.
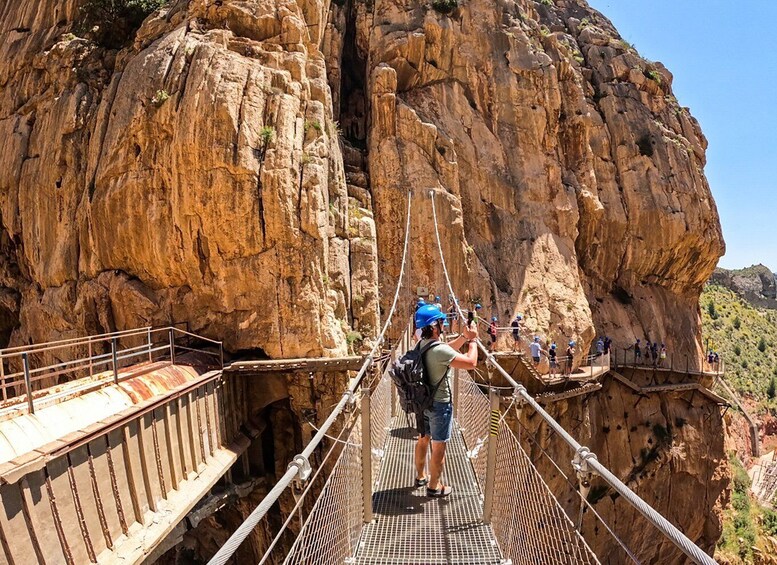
(723,56)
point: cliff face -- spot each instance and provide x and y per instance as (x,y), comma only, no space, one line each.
(570,176)
(194,176)
(756,284)
(225,169)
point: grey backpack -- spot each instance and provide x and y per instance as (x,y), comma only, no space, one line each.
(408,372)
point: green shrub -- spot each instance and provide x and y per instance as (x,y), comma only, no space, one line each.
(770,522)
(771,390)
(113,23)
(160,97)
(712,311)
(737,350)
(445,6)
(354,340)
(762,345)
(737,323)
(653,75)
(266,134)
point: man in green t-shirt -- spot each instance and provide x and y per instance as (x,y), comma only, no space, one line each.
(438,420)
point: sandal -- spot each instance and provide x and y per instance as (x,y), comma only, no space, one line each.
(440,492)
(421,482)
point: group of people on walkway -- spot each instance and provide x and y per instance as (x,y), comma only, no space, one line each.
(649,353)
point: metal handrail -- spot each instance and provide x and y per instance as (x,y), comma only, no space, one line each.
(58,344)
(584,457)
(29,375)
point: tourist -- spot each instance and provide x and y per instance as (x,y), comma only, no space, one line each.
(607,345)
(516,325)
(492,333)
(654,353)
(599,347)
(552,354)
(437,421)
(662,355)
(646,351)
(536,350)
(570,357)
(637,352)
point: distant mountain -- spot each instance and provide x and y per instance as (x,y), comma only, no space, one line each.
(756,284)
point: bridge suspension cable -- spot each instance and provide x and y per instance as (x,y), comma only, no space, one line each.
(299,468)
(584,457)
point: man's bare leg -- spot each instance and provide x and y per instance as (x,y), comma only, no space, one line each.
(421,447)
(436,464)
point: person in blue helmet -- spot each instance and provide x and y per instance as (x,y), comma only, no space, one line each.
(437,421)
(552,358)
(569,357)
(492,329)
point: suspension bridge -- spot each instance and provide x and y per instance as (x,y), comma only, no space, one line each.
(116,448)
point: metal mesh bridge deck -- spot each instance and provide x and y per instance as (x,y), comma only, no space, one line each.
(410,528)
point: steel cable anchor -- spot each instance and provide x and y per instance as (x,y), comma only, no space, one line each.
(584,474)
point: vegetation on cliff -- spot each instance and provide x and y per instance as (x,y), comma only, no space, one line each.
(112,23)
(746,339)
(745,523)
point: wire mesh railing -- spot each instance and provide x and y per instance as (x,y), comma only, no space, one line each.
(27,369)
(332,529)
(529,524)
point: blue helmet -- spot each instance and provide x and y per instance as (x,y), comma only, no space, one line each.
(537,338)
(553,346)
(478,306)
(427,315)
(493,319)
(437,298)
(518,317)
(571,344)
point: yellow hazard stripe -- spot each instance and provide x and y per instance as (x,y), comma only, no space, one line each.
(494,422)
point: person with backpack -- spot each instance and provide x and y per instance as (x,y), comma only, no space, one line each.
(435,423)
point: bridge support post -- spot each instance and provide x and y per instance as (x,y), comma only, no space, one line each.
(172,346)
(366,455)
(455,393)
(150,345)
(488,502)
(91,368)
(27,382)
(2,378)
(115,360)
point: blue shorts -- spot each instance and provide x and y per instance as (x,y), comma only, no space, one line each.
(438,421)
